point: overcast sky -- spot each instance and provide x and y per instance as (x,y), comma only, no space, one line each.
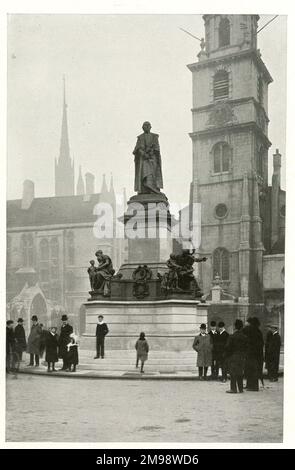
(120,71)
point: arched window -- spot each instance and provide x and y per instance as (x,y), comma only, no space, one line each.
(44,249)
(224,32)
(44,261)
(221,264)
(71,248)
(27,249)
(221,85)
(54,255)
(221,157)
(54,248)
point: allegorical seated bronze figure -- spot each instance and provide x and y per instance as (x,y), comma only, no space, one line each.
(180,276)
(101,275)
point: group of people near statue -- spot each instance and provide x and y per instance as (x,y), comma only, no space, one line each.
(62,345)
(241,355)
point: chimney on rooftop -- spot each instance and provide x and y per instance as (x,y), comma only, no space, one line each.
(28,194)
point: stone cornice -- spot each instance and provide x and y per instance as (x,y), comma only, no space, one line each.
(254,54)
(252,125)
(235,101)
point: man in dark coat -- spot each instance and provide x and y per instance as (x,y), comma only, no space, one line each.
(236,348)
(33,347)
(101,332)
(213,335)
(64,339)
(221,340)
(20,337)
(272,352)
(254,355)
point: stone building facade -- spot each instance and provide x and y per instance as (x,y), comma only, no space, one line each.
(243,217)
(50,241)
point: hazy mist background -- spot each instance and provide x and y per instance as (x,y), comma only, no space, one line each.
(120,71)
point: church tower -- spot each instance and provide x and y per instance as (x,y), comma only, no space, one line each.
(230,153)
(64,166)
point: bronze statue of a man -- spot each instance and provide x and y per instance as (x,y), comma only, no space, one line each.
(148,165)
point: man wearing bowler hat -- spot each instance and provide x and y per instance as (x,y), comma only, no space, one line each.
(34,340)
(272,352)
(20,337)
(214,338)
(64,339)
(221,340)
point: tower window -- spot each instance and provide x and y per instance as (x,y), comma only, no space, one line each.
(221,156)
(221,263)
(221,211)
(224,32)
(221,85)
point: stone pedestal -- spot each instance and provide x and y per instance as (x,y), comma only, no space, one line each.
(137,303)
(148,231)
(170,325)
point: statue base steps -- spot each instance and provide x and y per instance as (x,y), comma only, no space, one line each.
(124,360)
(169,325)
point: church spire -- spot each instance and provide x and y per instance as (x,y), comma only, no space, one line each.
(64,152)
(80,184)
(64,166)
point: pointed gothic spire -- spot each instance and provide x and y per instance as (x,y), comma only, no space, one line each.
(104,188)
(80,183)
(112,191)
(64,152)
(64,165)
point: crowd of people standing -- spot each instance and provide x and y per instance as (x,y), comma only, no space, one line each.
(241,355)
(56,346)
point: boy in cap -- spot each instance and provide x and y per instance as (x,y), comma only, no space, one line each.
(272,352)
(20,337)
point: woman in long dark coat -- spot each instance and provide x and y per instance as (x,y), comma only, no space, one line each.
(64,339)
(51,348)
(254,354)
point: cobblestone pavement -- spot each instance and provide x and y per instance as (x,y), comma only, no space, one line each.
(53,409)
